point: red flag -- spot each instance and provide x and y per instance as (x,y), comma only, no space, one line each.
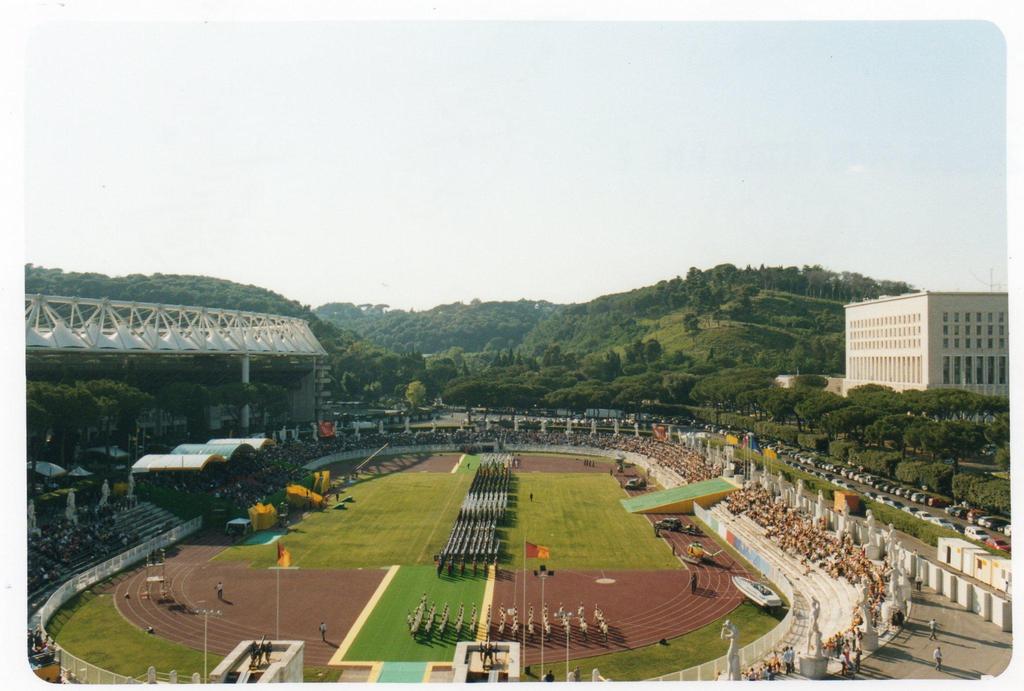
(537,551)
(326,429)
(284,557)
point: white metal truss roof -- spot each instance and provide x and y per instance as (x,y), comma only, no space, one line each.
(63,324)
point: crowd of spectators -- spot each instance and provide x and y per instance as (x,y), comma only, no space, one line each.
(58,547)
(811,542)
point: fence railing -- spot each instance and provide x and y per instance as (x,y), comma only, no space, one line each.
(73,667)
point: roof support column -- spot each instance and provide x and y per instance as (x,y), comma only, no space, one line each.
(245,380)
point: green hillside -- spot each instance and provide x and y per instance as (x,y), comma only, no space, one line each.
(474,327)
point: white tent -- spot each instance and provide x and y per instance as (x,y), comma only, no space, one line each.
(49,469)
(255,442)
(160,462)
(79,471)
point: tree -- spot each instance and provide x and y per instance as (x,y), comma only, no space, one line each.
(810,381)
(415,393)
(691,322)
(187,400)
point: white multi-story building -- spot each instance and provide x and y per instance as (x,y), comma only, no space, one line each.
(929,340)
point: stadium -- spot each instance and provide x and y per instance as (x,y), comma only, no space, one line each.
(387,555)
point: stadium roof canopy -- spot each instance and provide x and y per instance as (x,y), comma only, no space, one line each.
(680,499)
(69,324)
(152,463)
(228,451)
(255,442)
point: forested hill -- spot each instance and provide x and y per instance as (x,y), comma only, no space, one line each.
(783,318)
(166,289)
(474,327)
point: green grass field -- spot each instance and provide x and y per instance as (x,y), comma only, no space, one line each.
(579,518)
(91,628)
(685,651)
(385,637)
(401,518)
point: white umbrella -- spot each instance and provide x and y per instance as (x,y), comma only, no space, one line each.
(79,471)
(49,469)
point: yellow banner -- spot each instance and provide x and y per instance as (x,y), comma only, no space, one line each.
(770,454)
(732,439)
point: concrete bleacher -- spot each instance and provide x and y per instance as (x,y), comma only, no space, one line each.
(836,597)
(144,521)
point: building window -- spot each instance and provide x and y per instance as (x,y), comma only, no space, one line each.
(968,372)
(945,369)
(977,330)
(990,343)
(945,329)
(989,329)
(967,316)
(956,369)
(956,317)
(991,369)
(1002,330)
(978,316)
(1002,369)
(956,342)
(945,316)
(1002,343)
(977,343)
(1002,317)
(956,330)
(945,342)
(979,370)
(989,317)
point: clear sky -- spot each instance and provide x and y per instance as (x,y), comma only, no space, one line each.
(420,163)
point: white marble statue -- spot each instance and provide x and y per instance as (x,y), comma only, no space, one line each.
(869,521)
(593,427)
(615,425)
(104,493)
(636,429)
(131,486)
(543,426)
(407,430)
(380,426)
(515,425)
(31,516)
(732,634)
(70,512)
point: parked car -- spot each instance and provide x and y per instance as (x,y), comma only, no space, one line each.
(909,509)
(998,543)
(976,533)
(997,524)
(956,511)
(937,502)
(918,497)
(943,523)
(1006,530)
(924,515)
(973,515)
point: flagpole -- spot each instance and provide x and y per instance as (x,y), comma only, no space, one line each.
(524,600)
(277,608)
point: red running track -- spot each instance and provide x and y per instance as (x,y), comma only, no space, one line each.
(307,597)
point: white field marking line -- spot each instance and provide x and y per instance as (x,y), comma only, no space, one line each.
(437,522)
(363,616)
(461,458)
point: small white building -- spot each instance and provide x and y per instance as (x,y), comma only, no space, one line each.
(929,340)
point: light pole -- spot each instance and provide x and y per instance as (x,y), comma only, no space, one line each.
(544,574)
(277,598)
(206,619)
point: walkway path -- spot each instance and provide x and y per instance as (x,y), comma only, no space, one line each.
(970,646)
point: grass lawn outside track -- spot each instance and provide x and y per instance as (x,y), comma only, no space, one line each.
(385,636)
(694,648)
(579,518)
(90,628)
(401,518)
